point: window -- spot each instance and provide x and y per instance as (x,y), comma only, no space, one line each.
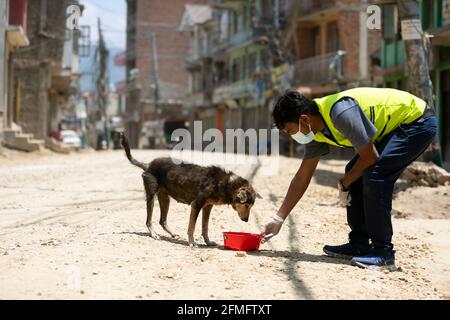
(244,68)
(429,20)
(390,25)
(220,73)
(235,70)
(245,18)
(252,63)
(332,37)
(224,25)
(265,59)
(197,82)
(265,9)
(234,23)
(239,22)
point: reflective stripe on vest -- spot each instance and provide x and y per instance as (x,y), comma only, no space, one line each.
(387,109)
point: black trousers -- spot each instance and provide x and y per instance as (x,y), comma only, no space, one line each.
(369,215)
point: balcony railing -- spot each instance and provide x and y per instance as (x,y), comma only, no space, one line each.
(321,69)
(203,51)
(196,56)
(246,36)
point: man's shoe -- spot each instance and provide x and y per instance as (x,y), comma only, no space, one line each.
(375,260)
(346,251)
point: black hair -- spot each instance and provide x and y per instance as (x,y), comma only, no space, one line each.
(290,106)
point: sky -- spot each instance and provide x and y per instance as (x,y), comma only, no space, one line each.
(113,17)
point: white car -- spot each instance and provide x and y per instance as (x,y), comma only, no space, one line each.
(71,139)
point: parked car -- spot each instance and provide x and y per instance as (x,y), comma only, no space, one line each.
(71,139)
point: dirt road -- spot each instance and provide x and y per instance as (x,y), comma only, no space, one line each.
(73,227)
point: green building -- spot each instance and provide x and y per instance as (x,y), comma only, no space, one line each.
(435,16)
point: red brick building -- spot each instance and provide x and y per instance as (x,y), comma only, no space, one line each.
(162,18)
(334,48)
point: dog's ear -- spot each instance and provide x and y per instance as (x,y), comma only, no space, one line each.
(242,197)
(258,196)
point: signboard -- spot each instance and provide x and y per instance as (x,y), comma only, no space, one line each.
(412,29)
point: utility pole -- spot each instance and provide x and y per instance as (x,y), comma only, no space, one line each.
(155,74)
(102,81)
(417,52)
(3,72)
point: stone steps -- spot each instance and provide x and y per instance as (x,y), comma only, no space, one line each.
(15,139)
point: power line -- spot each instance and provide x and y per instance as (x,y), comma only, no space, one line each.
(104,8)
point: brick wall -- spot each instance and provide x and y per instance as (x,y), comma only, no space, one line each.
(47,44)
(348,24)
(34,82)
(164,18)
(33,65)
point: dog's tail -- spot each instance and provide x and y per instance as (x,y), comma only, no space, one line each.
(133,161)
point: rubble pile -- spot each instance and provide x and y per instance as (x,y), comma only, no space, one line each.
(426,175)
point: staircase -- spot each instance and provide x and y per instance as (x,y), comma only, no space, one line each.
(15,139)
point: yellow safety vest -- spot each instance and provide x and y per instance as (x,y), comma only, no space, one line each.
(387,109)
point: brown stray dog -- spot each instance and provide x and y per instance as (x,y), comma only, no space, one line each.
(200,187)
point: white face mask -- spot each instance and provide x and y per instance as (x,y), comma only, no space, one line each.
(302,138)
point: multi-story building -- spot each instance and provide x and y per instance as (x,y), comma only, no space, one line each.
(256,49)
(199,24)
(334,48)
(236,62)
(43,75)
(156,79)
(13,35)
(435,17)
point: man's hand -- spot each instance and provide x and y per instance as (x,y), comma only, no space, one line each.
(344,195)
(272,228)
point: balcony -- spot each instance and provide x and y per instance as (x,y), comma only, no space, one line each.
(245,38)
(311,10)
(201,51)
(196,58)
(323,69)
(17,25)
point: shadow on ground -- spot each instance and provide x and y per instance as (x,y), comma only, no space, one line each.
(291,258)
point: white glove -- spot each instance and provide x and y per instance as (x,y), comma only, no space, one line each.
(272,228)
(344,196)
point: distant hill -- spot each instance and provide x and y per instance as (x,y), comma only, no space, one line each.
(89,70)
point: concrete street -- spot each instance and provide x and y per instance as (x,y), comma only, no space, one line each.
(74,227)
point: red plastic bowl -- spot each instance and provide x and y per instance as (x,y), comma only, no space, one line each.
(240,241)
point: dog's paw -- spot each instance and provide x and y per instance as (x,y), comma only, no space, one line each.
(193,245)
(176,237)
(211,244)
(155,236)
